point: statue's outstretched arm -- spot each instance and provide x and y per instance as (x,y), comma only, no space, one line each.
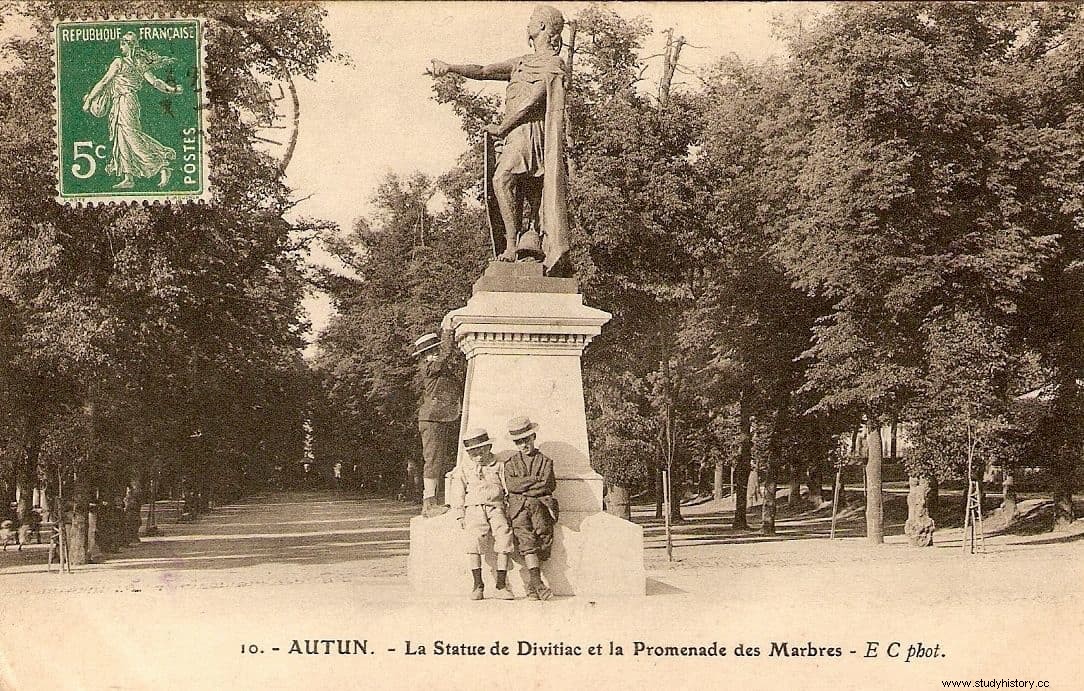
(501,71)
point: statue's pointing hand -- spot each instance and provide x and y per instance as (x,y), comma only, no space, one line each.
(438,68)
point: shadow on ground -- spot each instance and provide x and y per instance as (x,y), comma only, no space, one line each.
(703,525)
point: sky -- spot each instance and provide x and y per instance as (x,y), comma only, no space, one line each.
(372,113)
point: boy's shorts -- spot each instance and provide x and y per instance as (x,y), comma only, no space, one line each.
(479,522)
(532,527)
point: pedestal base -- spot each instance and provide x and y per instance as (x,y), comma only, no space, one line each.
(594,555)
(523,335)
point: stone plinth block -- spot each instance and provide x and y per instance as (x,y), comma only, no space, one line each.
(594,555)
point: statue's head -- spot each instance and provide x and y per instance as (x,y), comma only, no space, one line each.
(546,23)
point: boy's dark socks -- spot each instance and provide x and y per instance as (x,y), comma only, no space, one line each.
(502,577)
(536,575)
(477,573)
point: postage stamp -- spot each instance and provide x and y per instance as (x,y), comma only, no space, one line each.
(130,118)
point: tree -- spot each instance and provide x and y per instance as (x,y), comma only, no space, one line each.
(756,322)
(201,304)
(898,214)
(636,199)
(1038,176)
(410,267)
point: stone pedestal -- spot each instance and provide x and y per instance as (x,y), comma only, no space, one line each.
(523,336)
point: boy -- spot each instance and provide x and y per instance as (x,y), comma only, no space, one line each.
(438,415)
(481,476)
(531,505)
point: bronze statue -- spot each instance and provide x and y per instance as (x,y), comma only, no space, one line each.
(531,168)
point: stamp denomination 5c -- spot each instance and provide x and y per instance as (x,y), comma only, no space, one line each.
(129,111)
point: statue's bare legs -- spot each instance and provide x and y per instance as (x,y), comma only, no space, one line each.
(533,187)
(504,189)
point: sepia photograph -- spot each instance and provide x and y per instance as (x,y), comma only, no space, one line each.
(517,345)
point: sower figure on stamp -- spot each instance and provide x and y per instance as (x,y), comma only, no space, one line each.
(135,153)
(481,476)
(532,166)
(532,507)
(438,415)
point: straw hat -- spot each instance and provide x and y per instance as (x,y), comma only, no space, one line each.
(476,438)
(520,427)
(426,343)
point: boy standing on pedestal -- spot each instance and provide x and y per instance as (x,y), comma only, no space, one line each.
(438,415)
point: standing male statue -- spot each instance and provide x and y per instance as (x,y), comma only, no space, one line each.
(532,164)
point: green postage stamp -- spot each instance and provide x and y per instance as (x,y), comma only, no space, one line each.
(130,119)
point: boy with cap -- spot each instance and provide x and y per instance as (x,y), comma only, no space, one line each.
(531,505)
(438,415)
(481,477)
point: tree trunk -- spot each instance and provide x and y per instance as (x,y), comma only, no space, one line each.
(875,533)
(744,462)
(933,499)
(152,520)
(79,537)
(670,62)
(677,491)
(920,526)
(97,535)
(794,490)
(26,473)
(813,481)
(717,481)
(24,488)
(1008,489)
(767,509)
(617,502)
(48,504)
(658,492)
(705,479)
(1063,494)
(842,483)
(133,503)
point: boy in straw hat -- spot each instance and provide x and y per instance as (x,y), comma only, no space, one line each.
(531,505)
(481,477)
(438,415)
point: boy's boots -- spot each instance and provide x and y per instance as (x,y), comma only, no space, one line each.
(536,588)
(431,508)
(501,592)
(477,593)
